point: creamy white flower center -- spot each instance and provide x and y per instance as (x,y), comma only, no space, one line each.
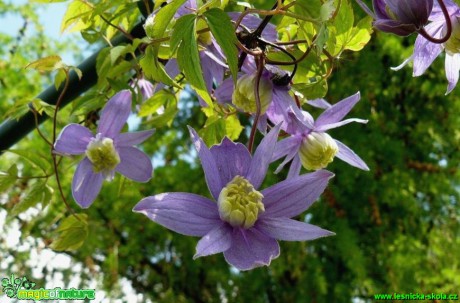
(244,94)
(102,154)
(239,203)
(317,150)
(453,44)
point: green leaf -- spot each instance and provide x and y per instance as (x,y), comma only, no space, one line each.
(224,32)
(151,105)
(162,21)
(49,63)
(313,90)
(59,78)
(153,69)
(167,117)
(40,106)
(213,132)
(233,127)
(77,17)
(72,233)
(9,178)
(342,28)
(185,40)
(360,35)
(116,52)
(38,193)
(77,71)
(34,158)
(327,10)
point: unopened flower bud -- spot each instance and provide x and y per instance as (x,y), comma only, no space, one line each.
(401,17)
(244,94)
(239,203)
(317,151)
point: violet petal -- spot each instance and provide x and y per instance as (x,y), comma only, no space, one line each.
(73,140)
(262,158)
(86,184)
(349,156)
(291,230)
(232,159)
(209,164)
(336,112)
(294,169)
(216,241)
(250,249)
(115,114)
(185,213)
(425,51)
(133,138)
(134,164)
(291,197)
(452,70)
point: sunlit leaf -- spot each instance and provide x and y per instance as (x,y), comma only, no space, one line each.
(72,233)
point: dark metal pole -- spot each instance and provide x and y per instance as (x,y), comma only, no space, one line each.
(11,131)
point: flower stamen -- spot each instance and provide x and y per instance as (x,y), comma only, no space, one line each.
(102,154)
(239,203)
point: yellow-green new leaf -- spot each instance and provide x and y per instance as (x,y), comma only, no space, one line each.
(49,63)
(72,233)
(77,16)
(37,194)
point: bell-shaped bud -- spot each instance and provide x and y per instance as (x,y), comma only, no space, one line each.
(244,94)
(317,151)
(239,203)
(400,17)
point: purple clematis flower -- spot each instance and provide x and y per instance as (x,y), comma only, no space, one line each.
(276,102)
(400,17)
(425,51)
(245,223)
(106,152)
(311,146)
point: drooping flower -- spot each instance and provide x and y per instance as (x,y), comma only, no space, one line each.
(276,102)
(246,222)
(143,87)
(400,17)
(107,152)
(309,145)
(426,51)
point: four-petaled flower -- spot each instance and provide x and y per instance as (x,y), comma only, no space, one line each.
(311,147)
(106,152)
(245,223)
